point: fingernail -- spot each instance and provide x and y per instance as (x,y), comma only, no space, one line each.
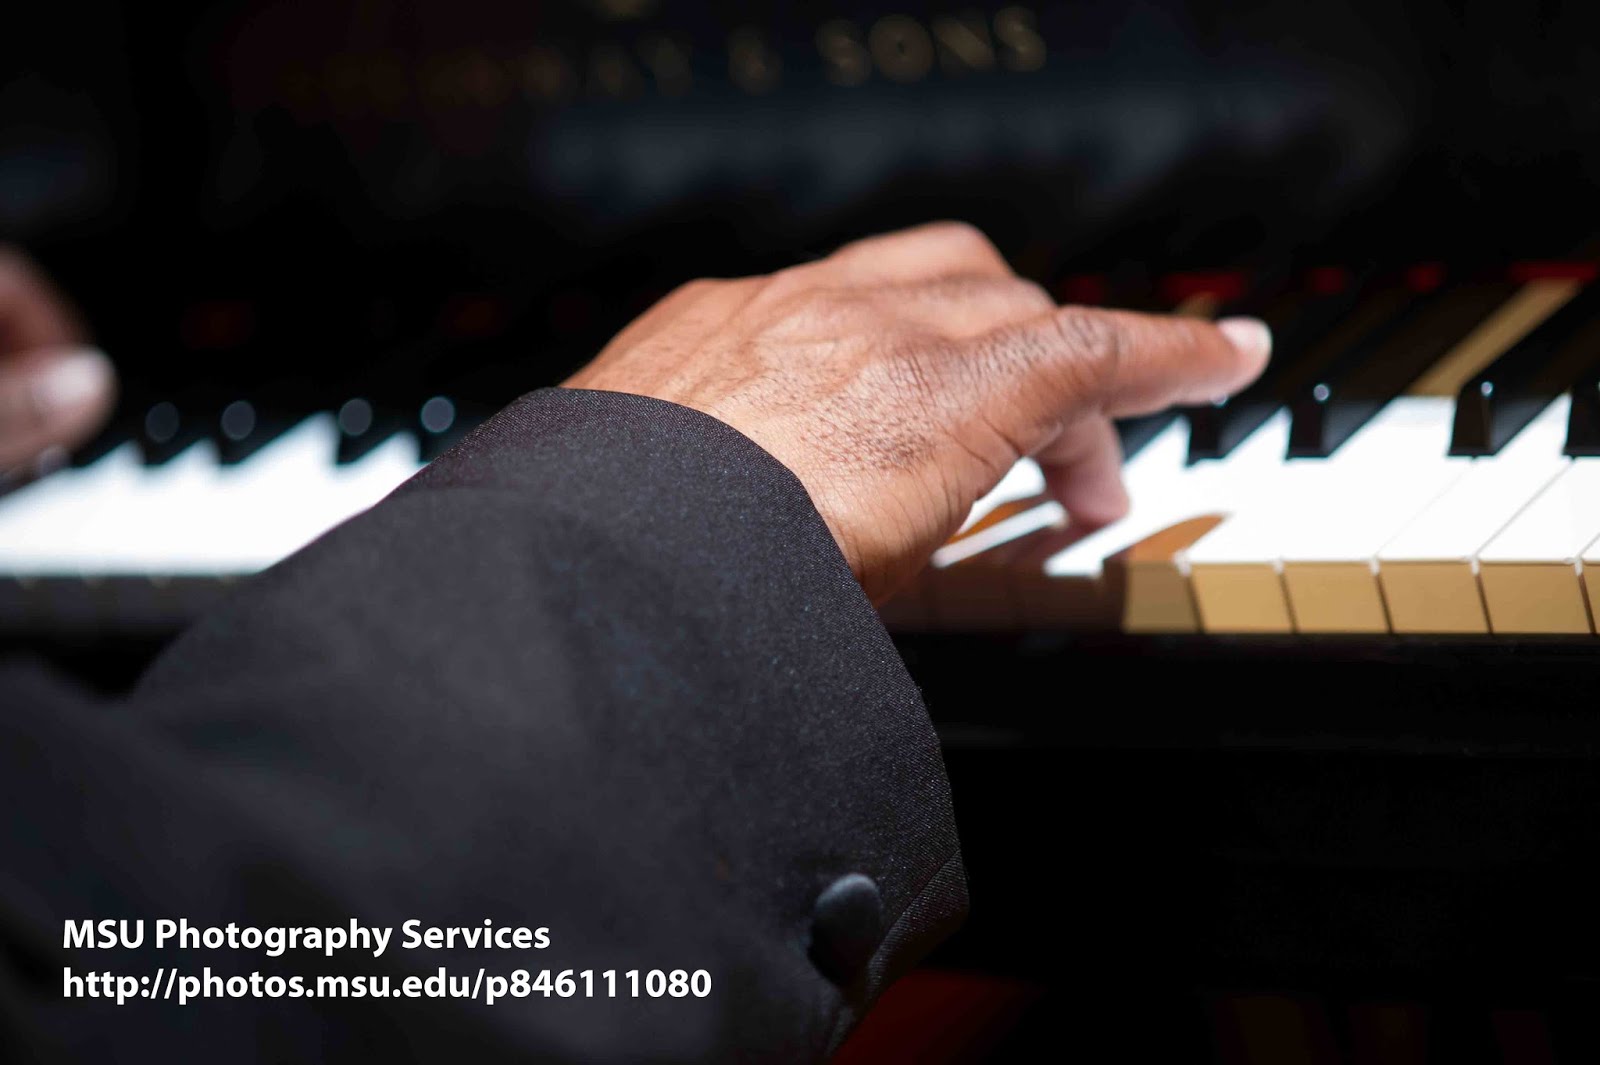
(79,377)
(1250,336)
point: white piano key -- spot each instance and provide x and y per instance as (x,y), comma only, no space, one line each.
(1164,452)
(340,492)
(49,527)
(122,476)
(1557,524)
(1339,508)
(979,595)
(1233,570)
(1022,481)
(1591,579)
(1459,523)
(1164,493)
(1429,570)
(1396,466)
(1171,493)
(1372,487)
(273,503)
(1064,589)
(363,483)
(1280,508)
(1043,516)
(161,528)
(1154,479)
(192,515)
(1530,571)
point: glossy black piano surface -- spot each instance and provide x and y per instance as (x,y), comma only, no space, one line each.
(304,207)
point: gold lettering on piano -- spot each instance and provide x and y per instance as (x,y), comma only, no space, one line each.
(845,58)
(901,48)
(753,64)
(964,43)
(1018,30)
(393,84)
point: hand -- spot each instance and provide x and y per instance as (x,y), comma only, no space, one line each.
(54,391)
(902,376)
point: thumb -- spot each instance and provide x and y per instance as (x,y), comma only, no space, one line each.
(51,397)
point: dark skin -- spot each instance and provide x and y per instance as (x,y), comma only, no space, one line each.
(55,391)
(898,378)
(902,376)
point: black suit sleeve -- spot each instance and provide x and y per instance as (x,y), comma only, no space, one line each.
(600,669)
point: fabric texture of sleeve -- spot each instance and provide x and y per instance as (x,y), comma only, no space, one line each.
(601,669)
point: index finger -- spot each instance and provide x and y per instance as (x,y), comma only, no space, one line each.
(1076,360)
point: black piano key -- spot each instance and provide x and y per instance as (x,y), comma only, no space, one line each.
(441,420)
(1135,433)
(476,363)
(1180,298)
(377,394)
(166,427)
(121,428)
(365,422)
(243,427)
(1308,332)
(229,338)
(426,377)
(1358,383)
(1583,420)
(1496,404)
(1188,294)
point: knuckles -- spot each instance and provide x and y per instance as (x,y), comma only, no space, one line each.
(812,308)
(950,238)
(1094,343)
(1016,295)
(694,290)
(1034,293)
(962,236)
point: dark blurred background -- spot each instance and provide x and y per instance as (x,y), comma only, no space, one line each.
(473,196)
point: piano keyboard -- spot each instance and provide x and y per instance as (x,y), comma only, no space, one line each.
(1424,463)
(117,541)
(1418,458)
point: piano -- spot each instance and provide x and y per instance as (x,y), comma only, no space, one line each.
(1422,457)
(1416,460)
(1294,763)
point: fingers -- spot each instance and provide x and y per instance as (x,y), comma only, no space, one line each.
(1083,470)
(53,392)
(1075,360)
(940,249)
(32,314)
(51,397)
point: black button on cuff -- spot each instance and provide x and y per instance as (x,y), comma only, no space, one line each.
(846,927)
